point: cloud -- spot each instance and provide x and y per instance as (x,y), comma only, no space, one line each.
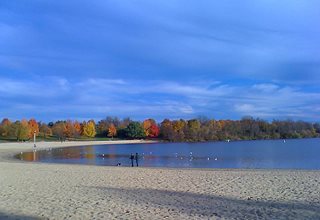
(138,39)
(158,58)
(266,87)
(98,97)
(44,87)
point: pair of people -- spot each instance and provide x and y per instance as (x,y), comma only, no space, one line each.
(132,158)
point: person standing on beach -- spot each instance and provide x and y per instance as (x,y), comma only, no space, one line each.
(137,159)
(132,158)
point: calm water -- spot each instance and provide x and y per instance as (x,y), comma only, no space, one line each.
(291,154)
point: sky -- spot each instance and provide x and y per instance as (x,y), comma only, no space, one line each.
(172,59)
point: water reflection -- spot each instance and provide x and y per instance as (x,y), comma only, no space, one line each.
(245,154)
(88,155)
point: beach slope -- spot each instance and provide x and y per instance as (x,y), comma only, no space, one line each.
(57,191)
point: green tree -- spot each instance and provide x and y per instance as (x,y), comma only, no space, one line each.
(134,130)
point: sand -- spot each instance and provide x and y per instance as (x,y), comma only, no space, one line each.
(57,191)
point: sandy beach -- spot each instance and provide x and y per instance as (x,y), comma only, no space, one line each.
(58,191)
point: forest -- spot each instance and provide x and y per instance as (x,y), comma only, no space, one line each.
(193,130)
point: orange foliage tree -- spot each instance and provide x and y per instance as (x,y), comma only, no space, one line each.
(77,128)
(33,127)
(112,131)
(68,129)
(150,128)
(58,130)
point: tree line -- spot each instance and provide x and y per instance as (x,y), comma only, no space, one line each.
(200,129)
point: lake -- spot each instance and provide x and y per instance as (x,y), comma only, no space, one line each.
(266,154)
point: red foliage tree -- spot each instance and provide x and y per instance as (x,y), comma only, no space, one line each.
(150,128)
(154,131)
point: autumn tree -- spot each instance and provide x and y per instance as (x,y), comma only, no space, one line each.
(178,128)
(89,129)
(69,129)
(146,124)
(215,131)
(22,130)
(45,130)
(112,131)
(124,123)
(150,128)
(192,131)
(103,125)
(33,127)
(166,130)
(5,127)
(72,129)
(102,128)
(154,131)
(200,129)
(58,129)
(77,129)
(122,126)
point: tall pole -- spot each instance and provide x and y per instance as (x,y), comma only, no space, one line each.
(34,139)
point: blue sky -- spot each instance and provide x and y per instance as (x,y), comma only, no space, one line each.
(161,59)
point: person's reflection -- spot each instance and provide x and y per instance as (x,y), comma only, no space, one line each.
(131,158)
(34,155)
(137,159)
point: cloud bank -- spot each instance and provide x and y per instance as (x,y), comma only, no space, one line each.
(98,97)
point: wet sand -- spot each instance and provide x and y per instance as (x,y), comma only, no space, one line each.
(57,191)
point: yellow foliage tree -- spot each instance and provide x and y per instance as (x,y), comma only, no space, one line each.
(179,125)
(23,130)
(89,129)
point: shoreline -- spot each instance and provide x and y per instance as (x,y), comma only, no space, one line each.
(72,191)
(13,148)
(8,154)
